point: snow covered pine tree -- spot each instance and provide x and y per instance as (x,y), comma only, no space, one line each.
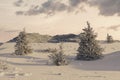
(89,48)
(22,44)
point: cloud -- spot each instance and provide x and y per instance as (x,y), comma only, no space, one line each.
(12,31)
(114,27)
(75,3)
(18,3)
(50,7)
(107,7)
(19,12)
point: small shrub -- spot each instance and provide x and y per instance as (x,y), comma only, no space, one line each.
(3,65)
(58,58)
(109,39)
(50,50)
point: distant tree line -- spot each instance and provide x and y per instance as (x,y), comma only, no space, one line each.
(64,38)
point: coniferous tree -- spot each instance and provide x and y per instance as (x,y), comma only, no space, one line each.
(89,48)
(22,44)
(109,38)
(58,57)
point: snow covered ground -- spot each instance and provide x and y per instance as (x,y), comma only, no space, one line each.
(36,66)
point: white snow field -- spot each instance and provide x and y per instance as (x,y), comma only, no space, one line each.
(37,66)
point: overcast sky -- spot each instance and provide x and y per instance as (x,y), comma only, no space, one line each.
(59,17)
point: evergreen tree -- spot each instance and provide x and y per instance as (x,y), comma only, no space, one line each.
(22,44)
(58,57)
(109,38)
(89,48)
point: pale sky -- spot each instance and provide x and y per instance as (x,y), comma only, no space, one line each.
(59,17)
